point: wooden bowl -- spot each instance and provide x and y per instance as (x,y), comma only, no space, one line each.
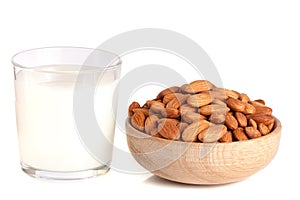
(202,163)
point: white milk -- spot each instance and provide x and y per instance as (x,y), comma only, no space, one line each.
(48,136)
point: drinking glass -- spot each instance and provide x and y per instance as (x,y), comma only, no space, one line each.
(66,100)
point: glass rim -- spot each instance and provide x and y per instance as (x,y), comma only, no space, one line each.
(22,66)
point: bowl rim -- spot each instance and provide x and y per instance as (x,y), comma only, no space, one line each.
(275,132)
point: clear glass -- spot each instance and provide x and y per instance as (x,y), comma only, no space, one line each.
(55,87)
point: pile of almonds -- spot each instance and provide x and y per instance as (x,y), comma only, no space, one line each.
(202,112)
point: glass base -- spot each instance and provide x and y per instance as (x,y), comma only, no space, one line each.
(52,175)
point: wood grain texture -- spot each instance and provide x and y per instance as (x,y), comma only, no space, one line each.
(199,163)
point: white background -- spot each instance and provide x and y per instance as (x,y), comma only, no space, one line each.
(254,44)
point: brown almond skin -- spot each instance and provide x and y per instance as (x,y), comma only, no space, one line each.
(190,133)
(132,106)
(198,100)
(170,113)
(232,94)
(212,134)
(179,96)
(217,118)
(252,123)
(219,94)
(187,108)
(202,102)
(145,111)
(212,108)
(263,110)
(177,101)
(154,106)
(271,126)
(256,103)
(263,129)
(249,109)
(231,122)
(227,137)
(168,129)
(244,98)
(260,101)
(252,132)
(151,123)
(167,98)
(241,119)
(239,134)
(262,118)
(174,103)
(149,103)
(235,104)
(197,86)
(167,91)
(182,126)
(191,117)
(219,102)
(138,120)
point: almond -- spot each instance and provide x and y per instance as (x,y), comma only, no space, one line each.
(167,98)
(174,103)
(197,86)
(182,126)
(199,100)
(151,123)
(262,118)
(187,108)
(244,98)
(191,117)
(177,101)
(260,101)
(252,132)
(187,113)
(155,106)
(231,93)
(219,102)
(145,111)
(241,119)
(131,107)
(170,113)
(190,133)
(231,122)
(168,128)
(261,109)
(218,93)
(167,91)
(227,137)
(264,130)
(213,108)
(138,120)
(148,104)
(212,134)
(256,103)
(239,134)
(217,118)
(252,123)
(235,104)
(249,109)
(271,126)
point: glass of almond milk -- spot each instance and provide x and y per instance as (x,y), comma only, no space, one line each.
(66,100)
